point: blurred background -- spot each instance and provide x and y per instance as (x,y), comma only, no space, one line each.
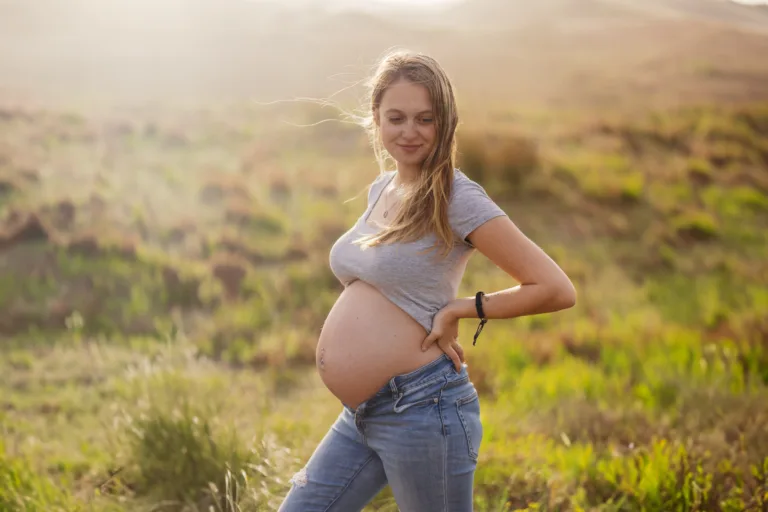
(167,206)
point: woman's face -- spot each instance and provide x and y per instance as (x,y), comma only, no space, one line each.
(407,123)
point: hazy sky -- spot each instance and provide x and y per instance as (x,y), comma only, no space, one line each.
(368,3)
(148,49)
(438,2)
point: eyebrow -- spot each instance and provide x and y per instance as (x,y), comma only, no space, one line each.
(396,111)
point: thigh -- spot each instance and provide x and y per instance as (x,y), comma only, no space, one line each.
(342,475)
(429,451)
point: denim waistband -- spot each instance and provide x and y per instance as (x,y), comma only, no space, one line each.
(434,370)
(402,384)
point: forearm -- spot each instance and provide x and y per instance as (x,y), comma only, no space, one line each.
(522,300)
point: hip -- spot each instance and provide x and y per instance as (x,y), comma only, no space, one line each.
(432,406)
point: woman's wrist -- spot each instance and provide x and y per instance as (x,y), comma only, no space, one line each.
(462,308)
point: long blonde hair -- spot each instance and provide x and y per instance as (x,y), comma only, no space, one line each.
(424,206)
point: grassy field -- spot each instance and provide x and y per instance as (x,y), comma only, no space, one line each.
(165,277)
(164,264)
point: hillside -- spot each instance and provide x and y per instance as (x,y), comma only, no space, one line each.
(559,52)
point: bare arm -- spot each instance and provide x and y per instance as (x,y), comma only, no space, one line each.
(543,288)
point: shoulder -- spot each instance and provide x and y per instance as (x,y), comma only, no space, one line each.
(459,177)
(380,181)
(385,176)
(470,205)
(465,188)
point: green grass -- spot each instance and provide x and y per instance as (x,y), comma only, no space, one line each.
(158,354)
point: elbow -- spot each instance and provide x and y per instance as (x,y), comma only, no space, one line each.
(563,296)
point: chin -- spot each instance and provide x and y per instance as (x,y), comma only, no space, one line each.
(410,160)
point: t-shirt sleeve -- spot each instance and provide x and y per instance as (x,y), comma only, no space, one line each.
(470,208)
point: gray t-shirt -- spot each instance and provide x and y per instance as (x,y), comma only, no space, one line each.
(420,284)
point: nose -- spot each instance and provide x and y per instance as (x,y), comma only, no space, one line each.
(409,130)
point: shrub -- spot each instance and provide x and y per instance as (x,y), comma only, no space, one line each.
(23,489)
(503,162)
(696,225)
(178,454)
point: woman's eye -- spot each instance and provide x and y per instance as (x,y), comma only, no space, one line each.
(426,120)
(395,119)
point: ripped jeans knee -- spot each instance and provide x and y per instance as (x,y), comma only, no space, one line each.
(299,479)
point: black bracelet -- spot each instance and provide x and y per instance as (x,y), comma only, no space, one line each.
(480,315)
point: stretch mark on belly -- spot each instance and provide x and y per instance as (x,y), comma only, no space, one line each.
(321,360)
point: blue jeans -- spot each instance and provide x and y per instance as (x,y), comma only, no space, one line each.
(420,434)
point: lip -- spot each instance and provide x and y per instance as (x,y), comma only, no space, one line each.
(410,147)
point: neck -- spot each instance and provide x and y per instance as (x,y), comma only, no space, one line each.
(406,175)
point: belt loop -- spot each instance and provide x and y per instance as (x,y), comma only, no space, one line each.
(393,386)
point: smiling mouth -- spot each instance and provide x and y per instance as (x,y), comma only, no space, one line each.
(405,146)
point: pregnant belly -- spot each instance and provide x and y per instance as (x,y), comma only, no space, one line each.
(365,341)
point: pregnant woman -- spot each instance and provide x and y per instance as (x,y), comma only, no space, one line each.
(388,350)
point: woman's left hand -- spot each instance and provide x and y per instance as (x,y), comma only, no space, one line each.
(445,332)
